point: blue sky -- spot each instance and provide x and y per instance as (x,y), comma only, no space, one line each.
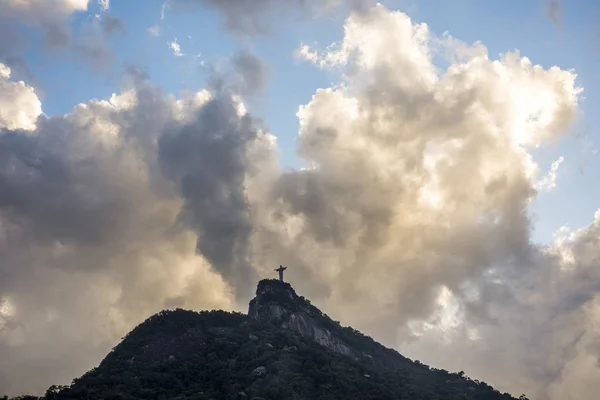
(501,26)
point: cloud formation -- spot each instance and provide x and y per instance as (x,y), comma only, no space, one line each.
(112,25)
(19,105)
(91,236)
(245,75)
(438,223)
(104,5)
(548,182)
(154,30)
(207,158)
(252,72)
(249,16)
(410,221)
(553,10)
(49,15)
(174,45)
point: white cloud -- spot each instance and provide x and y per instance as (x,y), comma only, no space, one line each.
(174,45)
(4,71)
(304,52)
(163,9)
(548,182)
(421,182)
(154,30)
(104,4)
(19,105)
(63,6)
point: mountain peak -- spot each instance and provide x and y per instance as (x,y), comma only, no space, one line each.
(274,296)
(276,302)
(275,286)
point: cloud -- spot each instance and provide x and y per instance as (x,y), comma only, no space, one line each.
(553,10)
(206,158)
(102,203)
(548,182)
(50,16)
(174,45)
(409,222)
(163,9)
(104,5)
(90,46)
(154,30)
(247,75)
(19,105)
(418,185)
(248,16)
(12,43)
(137,75)
(112,25)
(252,70)
(542,337)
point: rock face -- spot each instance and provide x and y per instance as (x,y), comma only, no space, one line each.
(278,303)
(259,371)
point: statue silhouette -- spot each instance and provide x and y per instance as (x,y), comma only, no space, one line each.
(280,270)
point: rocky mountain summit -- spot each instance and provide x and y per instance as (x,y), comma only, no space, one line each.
(284,348)
(276,302)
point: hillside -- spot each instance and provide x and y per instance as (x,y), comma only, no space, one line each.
(285,348)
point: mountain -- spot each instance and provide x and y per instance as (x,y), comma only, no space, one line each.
(284,348)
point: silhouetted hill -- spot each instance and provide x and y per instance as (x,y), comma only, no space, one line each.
(285,348)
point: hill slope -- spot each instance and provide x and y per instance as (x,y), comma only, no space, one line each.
(285,348)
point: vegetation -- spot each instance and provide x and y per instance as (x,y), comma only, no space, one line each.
(185,355)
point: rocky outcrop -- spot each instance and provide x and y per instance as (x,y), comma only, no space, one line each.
(278,303)
(259,371)
(308,327)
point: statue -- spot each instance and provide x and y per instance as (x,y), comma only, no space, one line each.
(280,270)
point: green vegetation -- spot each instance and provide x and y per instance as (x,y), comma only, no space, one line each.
(185,355)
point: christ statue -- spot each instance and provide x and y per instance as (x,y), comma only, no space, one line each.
(280,270)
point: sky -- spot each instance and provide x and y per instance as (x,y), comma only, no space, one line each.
(427,169)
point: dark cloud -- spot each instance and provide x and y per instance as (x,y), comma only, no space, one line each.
(244,74)
(13,45)
(251,71)
(11,39)
(207,159)
(58,198)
